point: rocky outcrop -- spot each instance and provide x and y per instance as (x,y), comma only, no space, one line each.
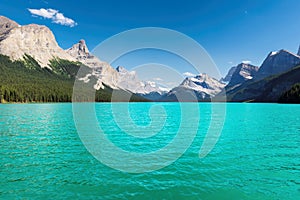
(34,40)
(81,53)
(298,51)
(102,71)
(242,73)
(6,25)
(277,62)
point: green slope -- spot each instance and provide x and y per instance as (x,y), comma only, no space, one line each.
(269,89)
(292,95)
(26,81)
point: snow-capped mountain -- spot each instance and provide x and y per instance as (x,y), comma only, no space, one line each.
(129,80)
(277,74)
(202,86)
(203,83)
(242,73)
(277,62)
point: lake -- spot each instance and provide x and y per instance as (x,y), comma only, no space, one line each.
(257,154)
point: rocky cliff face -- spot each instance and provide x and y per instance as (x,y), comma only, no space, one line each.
(104,73)
(228,77)
(34,40)
(107,75)
(81,53)
(242,73)
(278,62)
(6,25)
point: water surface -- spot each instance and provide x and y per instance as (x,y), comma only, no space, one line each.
(256,157)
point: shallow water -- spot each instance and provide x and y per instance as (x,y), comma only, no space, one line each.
(256,157)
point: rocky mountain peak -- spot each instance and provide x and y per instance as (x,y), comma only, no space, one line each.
(242,73)
(35,40)
(82,48)
(79,50)
(298,51)
(6,25)
(121,69)
(278,62)
(204,83)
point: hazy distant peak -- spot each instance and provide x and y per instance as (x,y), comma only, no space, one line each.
(121,69)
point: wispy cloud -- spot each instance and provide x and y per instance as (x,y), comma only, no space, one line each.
(188,74)
(157,79)
(54,15)
(246,61)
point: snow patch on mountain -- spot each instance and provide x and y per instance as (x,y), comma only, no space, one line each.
(278,63)
(203,83)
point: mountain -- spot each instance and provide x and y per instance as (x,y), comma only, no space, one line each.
(6,25)
(228,77)
(268,89)
(277,62)
(242,73)
(298,51)
(35,40)
(36,43)
(26,81)
(203,87)
(35,69)
(129,80)
(102,71)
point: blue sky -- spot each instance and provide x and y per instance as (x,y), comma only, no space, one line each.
(230,31)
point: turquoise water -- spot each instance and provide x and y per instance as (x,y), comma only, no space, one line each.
(257,155)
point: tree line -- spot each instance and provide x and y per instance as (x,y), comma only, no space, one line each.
(25,81)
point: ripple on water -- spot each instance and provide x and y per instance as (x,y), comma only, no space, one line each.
(257,156)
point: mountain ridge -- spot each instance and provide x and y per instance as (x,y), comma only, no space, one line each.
(34,47)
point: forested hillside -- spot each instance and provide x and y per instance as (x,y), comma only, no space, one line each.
(292,95)
(26,81)
(275,88)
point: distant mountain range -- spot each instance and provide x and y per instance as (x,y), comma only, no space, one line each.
(35,69)
(278,73)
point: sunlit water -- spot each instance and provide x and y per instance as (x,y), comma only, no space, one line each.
(256,157)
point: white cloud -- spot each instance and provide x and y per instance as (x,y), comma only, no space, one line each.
(157,79)
(54,15)
(188,74)
(246,61)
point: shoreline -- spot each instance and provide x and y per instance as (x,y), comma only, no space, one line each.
(229,102)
